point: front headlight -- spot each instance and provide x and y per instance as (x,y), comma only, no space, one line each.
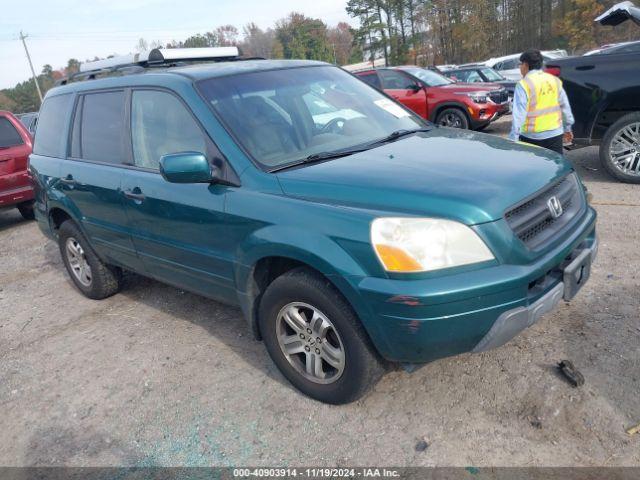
(424,244)
(477,97)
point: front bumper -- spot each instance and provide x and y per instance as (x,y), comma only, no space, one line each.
(512,322)
(422,320)
(487,113)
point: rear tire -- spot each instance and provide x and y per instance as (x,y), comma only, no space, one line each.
(453,117)
(92,276)
(621,142)
(27,211)
(348,365)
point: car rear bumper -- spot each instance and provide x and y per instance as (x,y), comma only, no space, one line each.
(15,188)
(422,320)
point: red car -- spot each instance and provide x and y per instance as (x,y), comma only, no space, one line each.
(439,99)
(15,148)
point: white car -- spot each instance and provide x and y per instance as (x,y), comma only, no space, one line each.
(509,65)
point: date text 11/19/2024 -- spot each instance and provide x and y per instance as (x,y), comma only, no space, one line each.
(315,472)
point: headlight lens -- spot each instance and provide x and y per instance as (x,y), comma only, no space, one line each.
(478,97)
(425,244)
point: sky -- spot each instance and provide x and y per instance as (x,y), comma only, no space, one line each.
(61,29)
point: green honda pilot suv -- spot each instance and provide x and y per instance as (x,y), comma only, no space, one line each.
(353,234)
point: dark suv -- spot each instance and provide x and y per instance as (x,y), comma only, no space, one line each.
(352,233)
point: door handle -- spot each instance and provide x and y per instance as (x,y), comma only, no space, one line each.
(135,194)
(586,67)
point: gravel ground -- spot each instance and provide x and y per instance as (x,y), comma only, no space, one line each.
(157,376)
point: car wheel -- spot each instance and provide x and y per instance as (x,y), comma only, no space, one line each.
(92,276)
(26,210)
(452,117)
(315,338)
(620,149)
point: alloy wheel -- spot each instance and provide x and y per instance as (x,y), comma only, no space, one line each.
(624,151)
(78,262)
(310,343)
(451,120)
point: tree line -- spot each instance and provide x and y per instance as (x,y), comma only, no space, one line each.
(432,32)
(422,32)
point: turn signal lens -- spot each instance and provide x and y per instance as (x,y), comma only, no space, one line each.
(396,260)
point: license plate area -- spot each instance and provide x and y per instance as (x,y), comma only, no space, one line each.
(576,274)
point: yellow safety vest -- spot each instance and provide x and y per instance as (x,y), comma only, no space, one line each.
(543,105)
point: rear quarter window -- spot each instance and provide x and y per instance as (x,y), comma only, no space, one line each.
(9,136)
(51,139)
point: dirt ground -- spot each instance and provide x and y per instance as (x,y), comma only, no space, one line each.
(157,376)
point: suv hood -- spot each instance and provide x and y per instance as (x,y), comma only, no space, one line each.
(471,87)
(456,174)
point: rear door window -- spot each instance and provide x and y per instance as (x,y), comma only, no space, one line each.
(160,125)
(102,129)
(371,78)
(9,136)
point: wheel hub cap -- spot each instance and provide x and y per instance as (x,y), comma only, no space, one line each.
(310,343)
(623,151)
(78,262)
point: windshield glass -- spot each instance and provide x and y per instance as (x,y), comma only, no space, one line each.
(283,116)
(429,77)
(491,75)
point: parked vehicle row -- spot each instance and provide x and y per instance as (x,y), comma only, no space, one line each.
(29,120)
(352,233)
(438,98)
(479,74)
(509,65)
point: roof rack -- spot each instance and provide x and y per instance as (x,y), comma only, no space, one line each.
(158,57)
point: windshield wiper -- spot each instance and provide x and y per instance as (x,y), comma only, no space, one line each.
(399,134)
(318,157)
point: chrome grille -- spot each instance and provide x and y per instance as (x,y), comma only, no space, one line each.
(533,221)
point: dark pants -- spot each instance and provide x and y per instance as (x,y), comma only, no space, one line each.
(553,143)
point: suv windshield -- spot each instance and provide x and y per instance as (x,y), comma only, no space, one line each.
(491,75)
(429,77)
(283,116)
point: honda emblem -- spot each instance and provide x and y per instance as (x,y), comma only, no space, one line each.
(554,206)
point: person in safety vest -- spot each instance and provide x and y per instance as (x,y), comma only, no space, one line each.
(541,112)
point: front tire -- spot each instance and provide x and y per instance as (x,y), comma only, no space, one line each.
(315,338)
(453,117)
(620,149)
(92,276)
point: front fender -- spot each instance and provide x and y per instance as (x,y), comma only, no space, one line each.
(317,251)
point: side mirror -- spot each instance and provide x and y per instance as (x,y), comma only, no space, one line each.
(415,88)
(187,167)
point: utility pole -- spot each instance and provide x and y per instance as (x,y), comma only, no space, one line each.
(35,79)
